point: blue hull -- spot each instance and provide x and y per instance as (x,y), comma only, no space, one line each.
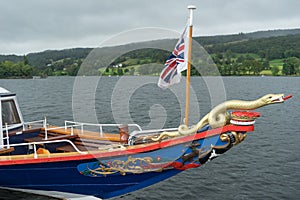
(64,176)
(114,173)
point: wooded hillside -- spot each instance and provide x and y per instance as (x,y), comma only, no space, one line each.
(265,52)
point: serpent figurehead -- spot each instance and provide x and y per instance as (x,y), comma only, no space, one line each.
(219,117)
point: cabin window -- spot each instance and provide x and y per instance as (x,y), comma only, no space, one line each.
(10,113)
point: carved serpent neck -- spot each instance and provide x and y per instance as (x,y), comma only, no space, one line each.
(244,105)
(218,117)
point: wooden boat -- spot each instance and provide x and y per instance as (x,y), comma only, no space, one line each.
(35,155)
(82,158)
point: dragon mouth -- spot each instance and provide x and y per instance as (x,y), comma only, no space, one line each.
(282,99)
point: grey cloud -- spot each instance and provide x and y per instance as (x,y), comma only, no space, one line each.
(35,25)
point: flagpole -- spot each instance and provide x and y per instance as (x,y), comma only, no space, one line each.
(188,74)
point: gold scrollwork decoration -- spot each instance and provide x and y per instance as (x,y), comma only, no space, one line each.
(238,137)
(131,165)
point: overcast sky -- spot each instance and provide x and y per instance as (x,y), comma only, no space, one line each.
(38,25)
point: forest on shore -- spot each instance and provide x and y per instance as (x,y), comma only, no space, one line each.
(274,53)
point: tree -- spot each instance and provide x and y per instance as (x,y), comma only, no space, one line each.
(132,70)
(266,65)
(25,60)
(240,59)
(194,71)
(291,66)
(19,69)
(275,70)
(288,67)
(256,67)
(144,69)
(235,69)
(120,71)
(219,56)
(246,66)
(73,70)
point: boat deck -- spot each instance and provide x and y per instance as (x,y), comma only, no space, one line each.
(6,150)
(83,140)
(83,134)
(53,141)
(79,139)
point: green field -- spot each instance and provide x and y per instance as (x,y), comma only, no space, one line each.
(131,64)
(276,62)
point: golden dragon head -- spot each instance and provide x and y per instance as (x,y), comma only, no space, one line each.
(274,98)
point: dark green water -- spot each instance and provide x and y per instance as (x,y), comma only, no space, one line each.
(265,166)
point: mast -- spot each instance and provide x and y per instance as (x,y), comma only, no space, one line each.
(1,128)
(191,8)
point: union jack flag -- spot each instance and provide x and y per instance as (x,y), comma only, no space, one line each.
(175,64)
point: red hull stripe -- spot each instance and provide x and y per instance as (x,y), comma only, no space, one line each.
(133,149)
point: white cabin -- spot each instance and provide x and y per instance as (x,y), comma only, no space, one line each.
(11,117)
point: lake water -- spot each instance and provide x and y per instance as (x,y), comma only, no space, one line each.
(265,166)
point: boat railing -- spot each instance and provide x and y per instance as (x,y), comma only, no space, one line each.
(6,137)
(138,134)
(38,124)
(99,126)
(34,144)
(26,126)
(71,127)
(134,133)
(80,127)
